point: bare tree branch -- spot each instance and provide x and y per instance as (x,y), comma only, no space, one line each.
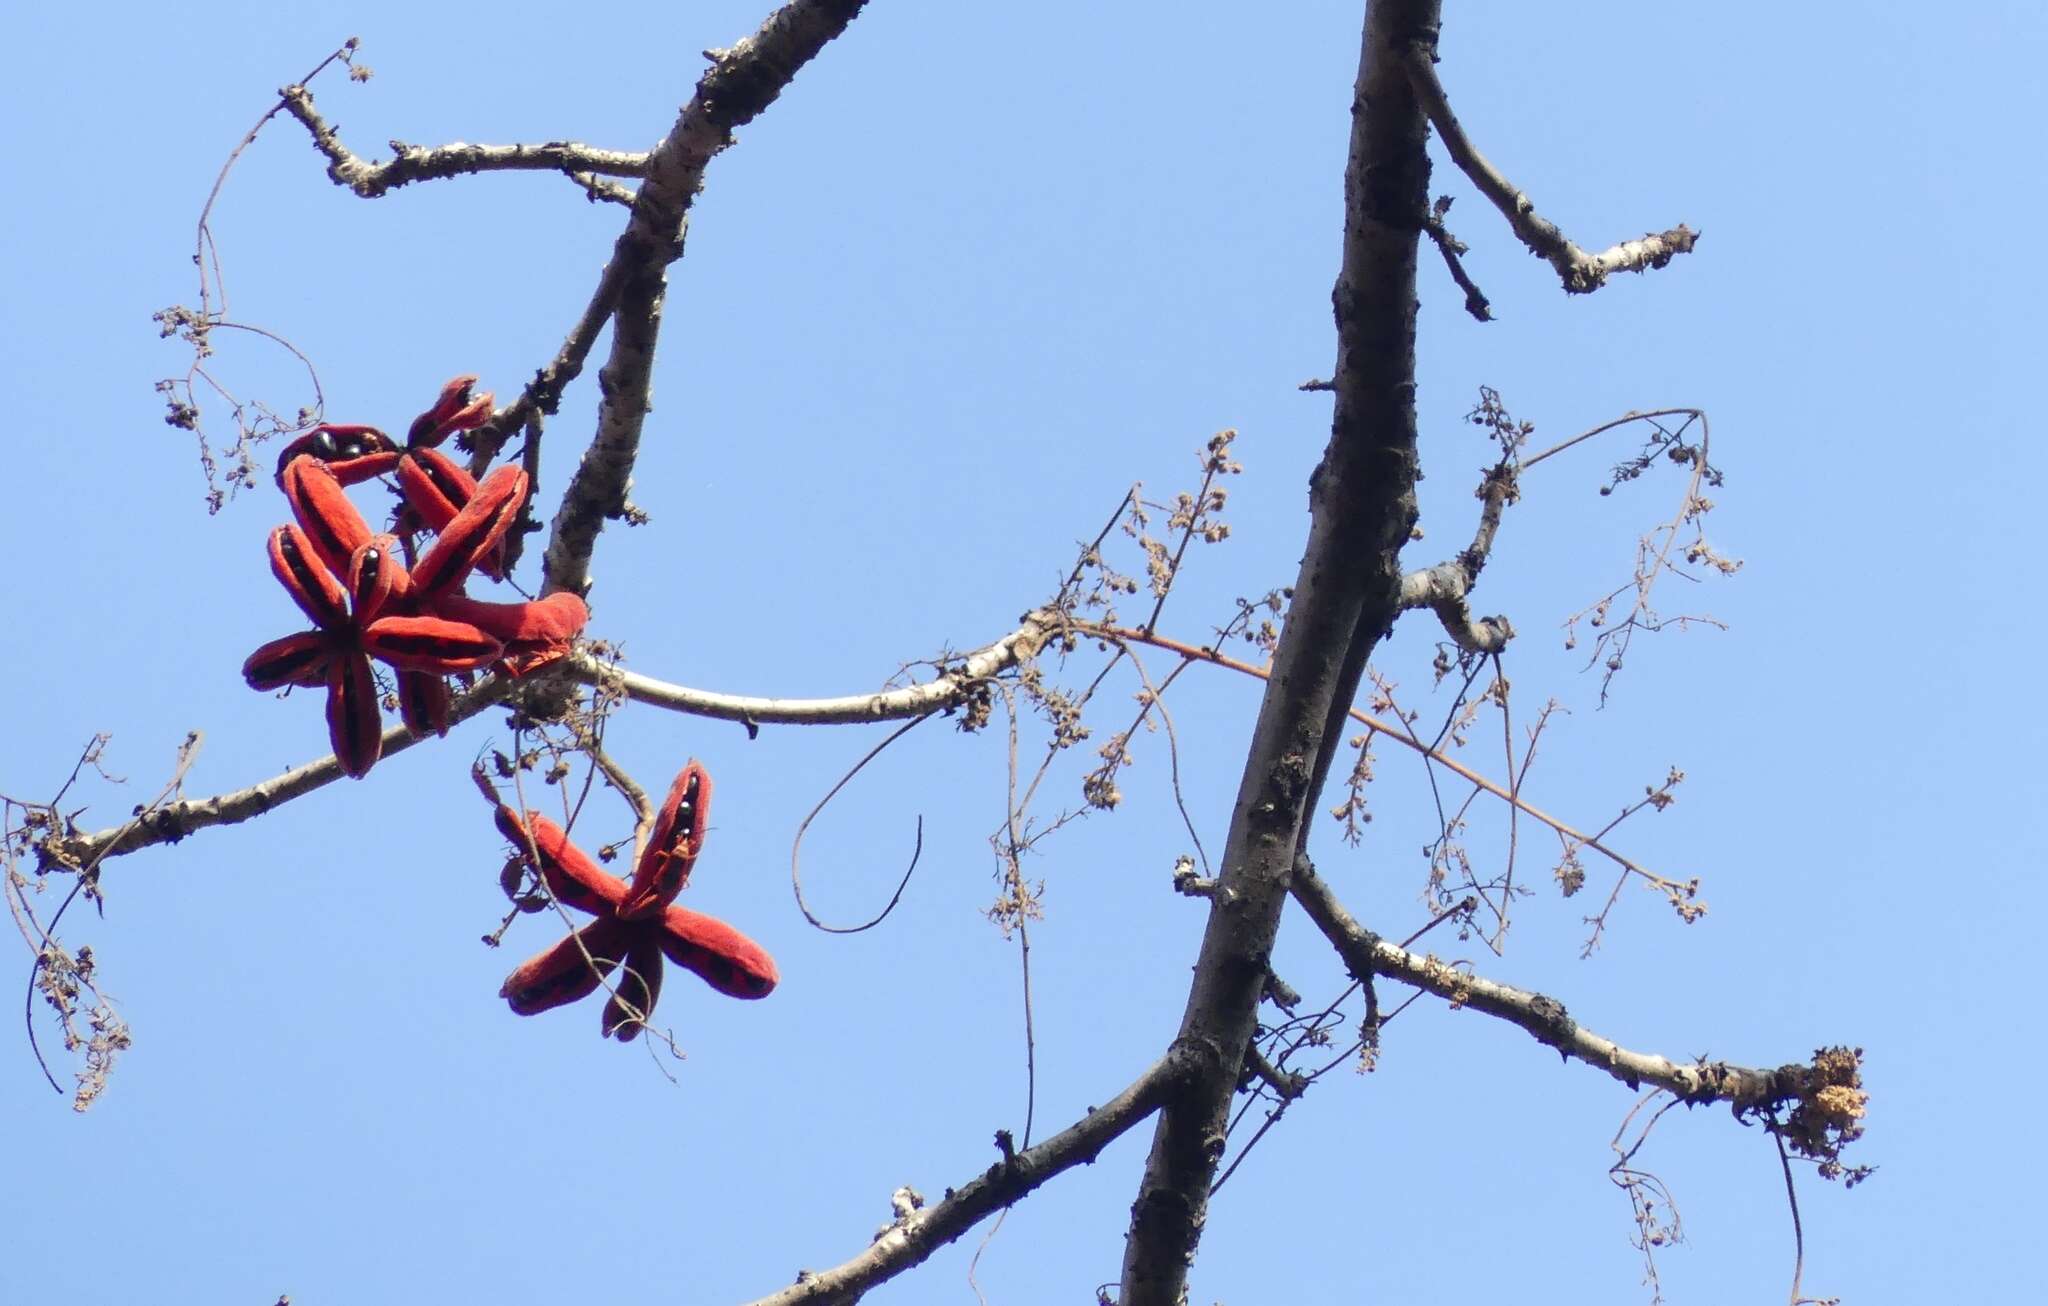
(1582,273)
(1346,596)
(741,83)
(950,688)
(1544,1018)
(1286,1084)
(1442,588)
(173,821)
(597,188)
(544,392)
(914,1237)
(411,163)
(1445,586)
(1453,249)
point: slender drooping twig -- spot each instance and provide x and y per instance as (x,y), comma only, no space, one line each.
(1574,837)
(796,844)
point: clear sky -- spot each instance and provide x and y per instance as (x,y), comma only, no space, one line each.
(981,268)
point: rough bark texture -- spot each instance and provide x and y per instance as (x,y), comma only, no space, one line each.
(741,83)
(1345,599)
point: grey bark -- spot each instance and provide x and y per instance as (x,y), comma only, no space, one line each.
(1345,600)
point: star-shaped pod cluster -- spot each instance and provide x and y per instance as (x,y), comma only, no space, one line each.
(636,922)
(375,596)
(435,487)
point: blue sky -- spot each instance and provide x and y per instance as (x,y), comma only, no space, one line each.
(977,271)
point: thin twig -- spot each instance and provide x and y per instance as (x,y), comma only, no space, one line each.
(1407,740)
(1792,1202)
(1452,249)
(796,876)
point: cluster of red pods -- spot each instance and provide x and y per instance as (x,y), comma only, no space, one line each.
(373,595)
(384,596)
(637,922)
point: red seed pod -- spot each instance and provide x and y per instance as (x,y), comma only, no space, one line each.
(473,532)
(551,622)
(435,486)
(431,644)
(312,586)
(635,990)
(423,702)
(568,871)
(436,489)
(300,659)
(720,955)
(565,973)
(353,453)
(331,522)
(454,410)
(375,577)
(353,724)
(673,848)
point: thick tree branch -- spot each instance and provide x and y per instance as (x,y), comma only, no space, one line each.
(1542,1017)
(741,83)
(411,163)
(953,686)
(1582,273)
(913,1238)
(1346,596)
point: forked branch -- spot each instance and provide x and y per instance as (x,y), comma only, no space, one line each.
(1582,273)
(411,163)
(740,84)
(1345,598)
(1544,1018)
